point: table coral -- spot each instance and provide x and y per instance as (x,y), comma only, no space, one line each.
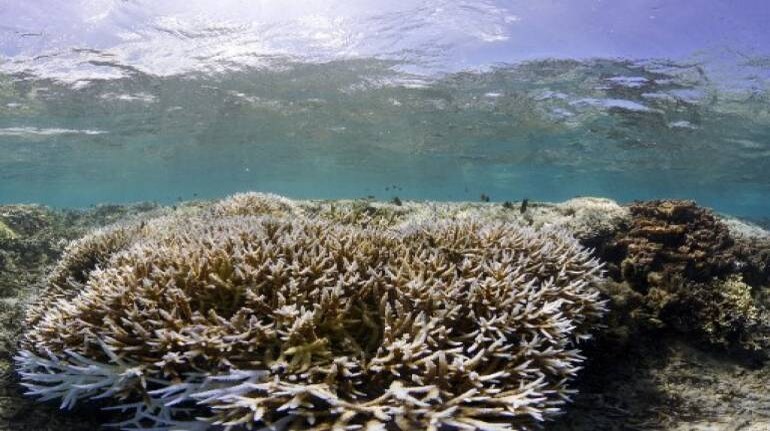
(295,323)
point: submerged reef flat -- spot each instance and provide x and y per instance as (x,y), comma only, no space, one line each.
(403,315)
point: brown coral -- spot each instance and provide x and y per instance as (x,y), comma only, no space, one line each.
(668,238)
(462,325)
(682,268)
(724,311)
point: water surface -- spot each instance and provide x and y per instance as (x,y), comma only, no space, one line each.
(114,101)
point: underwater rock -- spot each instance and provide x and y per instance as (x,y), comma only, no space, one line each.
(292,322)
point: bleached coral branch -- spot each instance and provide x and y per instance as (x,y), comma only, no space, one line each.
(75,377)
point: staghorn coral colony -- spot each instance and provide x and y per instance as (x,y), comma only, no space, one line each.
(231,318)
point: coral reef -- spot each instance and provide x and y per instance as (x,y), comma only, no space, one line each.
(674,238)
(726,312)
(240,319)
(252,203)
(6,232)
(591,220)
(84,255)
(25,244)
(40,235)
(364,212)
(656,371)
(676,264)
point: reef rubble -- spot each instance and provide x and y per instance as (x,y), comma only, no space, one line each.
(684,345)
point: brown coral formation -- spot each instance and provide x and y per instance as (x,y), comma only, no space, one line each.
(674,238)
(296,323)
(678,265)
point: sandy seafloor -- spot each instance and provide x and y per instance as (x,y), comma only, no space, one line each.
(660,380)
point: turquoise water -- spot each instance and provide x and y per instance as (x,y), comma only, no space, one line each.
(443,103)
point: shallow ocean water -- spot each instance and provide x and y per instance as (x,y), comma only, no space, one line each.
(117,101)
(185,102)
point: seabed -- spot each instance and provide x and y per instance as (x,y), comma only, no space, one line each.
(645,370)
